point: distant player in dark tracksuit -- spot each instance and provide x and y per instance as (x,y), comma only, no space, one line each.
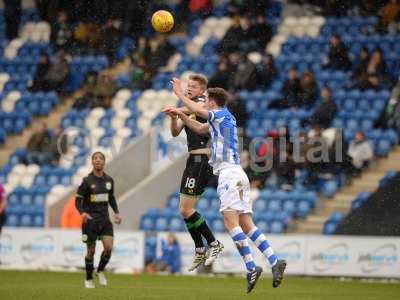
(94,195)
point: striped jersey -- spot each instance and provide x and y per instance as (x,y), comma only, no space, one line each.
(224,139)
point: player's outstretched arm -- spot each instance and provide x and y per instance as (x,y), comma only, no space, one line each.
(199,128)
(176,124)
(197,108)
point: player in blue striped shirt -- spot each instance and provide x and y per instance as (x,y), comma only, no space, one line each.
(233,183)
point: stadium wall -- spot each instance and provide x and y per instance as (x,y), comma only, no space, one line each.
(314,255)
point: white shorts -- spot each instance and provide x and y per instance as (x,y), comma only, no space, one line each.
(234,190)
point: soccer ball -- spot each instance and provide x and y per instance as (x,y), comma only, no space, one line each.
(162,21)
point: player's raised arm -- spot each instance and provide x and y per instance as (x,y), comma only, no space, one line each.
(196,126)
(176,124)
(194,107)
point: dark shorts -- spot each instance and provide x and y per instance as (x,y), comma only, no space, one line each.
(196,175)
(95,230)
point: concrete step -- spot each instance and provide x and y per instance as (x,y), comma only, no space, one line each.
(368,182)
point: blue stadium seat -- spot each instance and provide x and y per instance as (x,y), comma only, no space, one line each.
(274,205)
(26,220)
(173,202)
(147,223)
(329,227)
(263,225)
(276,227)
(161,224)
(176,224)
(336,217)
(329,188)
(303,209)
(38,221)
(202,204)
(218,225)
(383,147)
(289,206)
(12,220)
(260,205)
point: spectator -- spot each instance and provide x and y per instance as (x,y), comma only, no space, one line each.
(309,91)
(222,77)
(361,152)
(87,36)
(141,76)
(39,146)
(260,31)
(203,7)
(373,75)
(245,76)
(12,16)
(104,90)
(231,40)
(290,92)
(160,51)
(3,206)
(285,169)
(110,37)
(317,155)
(325,112)
(361,64)
(59,144)
(266,72)
(390,117)
(61,32)
(87,100)
(39,80)
(58,72)
(142,51)
(170,259)
(390,17)
(338,57)
(237,107)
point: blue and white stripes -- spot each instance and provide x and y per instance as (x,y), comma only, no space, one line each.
(262,244)
(240,240)
(224,138)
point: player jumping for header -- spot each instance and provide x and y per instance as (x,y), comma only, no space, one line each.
(233,183)
(196,176)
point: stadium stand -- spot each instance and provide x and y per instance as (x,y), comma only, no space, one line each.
(134,111)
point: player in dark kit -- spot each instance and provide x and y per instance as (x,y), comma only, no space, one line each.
(195,178)
(94,195)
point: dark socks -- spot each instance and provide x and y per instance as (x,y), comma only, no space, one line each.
(105,258)
(197,222)
(89,268)
(195,234)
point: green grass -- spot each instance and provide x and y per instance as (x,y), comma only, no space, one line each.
(58,286)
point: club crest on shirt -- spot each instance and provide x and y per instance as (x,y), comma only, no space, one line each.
(108,185)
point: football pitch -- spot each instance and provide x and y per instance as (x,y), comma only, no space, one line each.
(57,286)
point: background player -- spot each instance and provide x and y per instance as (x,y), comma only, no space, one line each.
(196,176)
(94,195)
(233,183)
